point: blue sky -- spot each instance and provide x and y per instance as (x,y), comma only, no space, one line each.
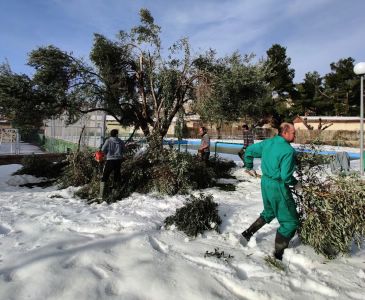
(315,32)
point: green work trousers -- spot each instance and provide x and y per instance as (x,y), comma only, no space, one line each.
(279,203)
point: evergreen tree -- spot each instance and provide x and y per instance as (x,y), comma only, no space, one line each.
(279,75)
(341,87)
(21,101)
(310,99)
(280,78)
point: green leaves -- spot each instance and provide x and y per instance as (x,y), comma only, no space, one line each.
(279,75)
(39,167)
(196,216)
(21,101)
(148,31)
(342,85)
(336,93)
(331,208)
(81,169)
(167,172)
(237,88)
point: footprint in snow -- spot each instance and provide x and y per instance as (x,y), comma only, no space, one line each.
(158,245)
(4,229)
(308,285)
(247,270)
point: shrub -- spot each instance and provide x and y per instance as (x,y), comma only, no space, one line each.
(190,172)
(91,190)
(81,168)
(166,171)
(336,208)
(39,167)
(221,167)
(196,216)
(169,173)
(135,174)
(331,208)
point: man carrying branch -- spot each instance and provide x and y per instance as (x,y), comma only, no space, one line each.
(278,164)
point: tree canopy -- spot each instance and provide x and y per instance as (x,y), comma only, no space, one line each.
(237,89)
(336,93)
(21,101)
(129,78)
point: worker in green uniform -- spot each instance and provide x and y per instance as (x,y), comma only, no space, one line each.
(278,165)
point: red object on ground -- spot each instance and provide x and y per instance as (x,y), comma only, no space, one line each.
(99,156)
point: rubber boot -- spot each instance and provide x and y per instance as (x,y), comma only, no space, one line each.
(281,243)
(248,233)
(102,191)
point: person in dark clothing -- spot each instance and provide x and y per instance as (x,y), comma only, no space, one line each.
(248,139)
(204,149)
(113,148)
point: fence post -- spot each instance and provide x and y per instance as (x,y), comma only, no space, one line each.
(17,141)
(215,150)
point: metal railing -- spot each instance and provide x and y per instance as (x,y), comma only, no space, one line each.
(232,145)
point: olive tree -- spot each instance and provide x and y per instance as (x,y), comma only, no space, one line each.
(127,78)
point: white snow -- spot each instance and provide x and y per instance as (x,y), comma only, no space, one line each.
(55,246)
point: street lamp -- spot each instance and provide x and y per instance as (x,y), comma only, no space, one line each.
(359,69)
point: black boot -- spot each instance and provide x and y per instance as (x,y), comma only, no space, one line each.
(281,243)
(248,233)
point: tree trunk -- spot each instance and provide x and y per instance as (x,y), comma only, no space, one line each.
(347,108)
(155,141)
(219,127)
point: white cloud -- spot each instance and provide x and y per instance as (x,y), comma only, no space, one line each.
(315,32)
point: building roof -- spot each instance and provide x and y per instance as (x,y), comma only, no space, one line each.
(300,119)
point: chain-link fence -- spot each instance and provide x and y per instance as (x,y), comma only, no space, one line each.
(87,132)
(79,135)
(231,133)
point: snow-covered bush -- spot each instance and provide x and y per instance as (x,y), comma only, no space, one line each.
(39,167)
(167,172)
(196,216)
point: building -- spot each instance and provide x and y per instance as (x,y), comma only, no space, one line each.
(330,123)
(4,123)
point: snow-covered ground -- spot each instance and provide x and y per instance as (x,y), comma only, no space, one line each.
(55,246)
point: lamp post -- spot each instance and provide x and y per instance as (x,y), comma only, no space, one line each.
(359,69)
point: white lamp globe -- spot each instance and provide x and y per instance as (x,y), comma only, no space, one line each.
(359,68)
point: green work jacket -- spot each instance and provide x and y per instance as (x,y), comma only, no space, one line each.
(277,159)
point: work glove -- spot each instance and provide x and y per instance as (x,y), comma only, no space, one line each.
(251,173)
